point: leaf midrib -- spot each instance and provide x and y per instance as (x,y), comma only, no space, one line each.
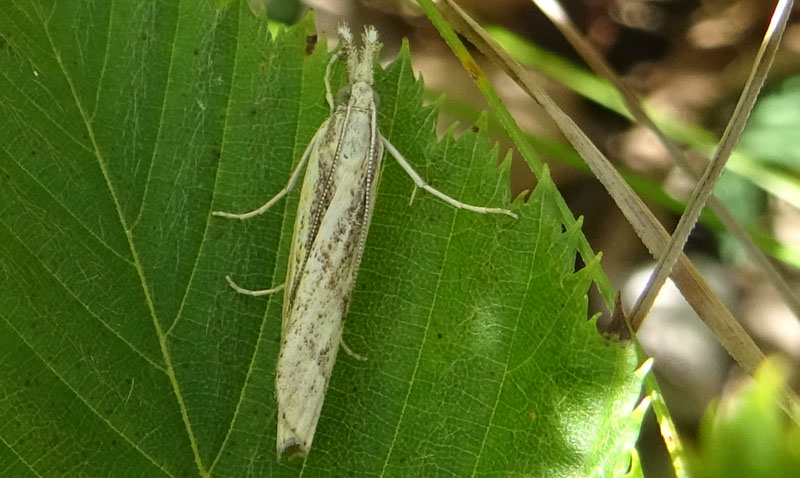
(134,252)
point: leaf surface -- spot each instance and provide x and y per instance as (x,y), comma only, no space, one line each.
(123,352)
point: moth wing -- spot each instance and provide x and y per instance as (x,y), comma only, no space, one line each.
(306,224)
(322,289)
(374,174)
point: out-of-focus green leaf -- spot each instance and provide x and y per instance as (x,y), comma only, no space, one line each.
(771,133)
(748,435)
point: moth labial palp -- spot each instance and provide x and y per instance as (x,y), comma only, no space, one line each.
(342,164)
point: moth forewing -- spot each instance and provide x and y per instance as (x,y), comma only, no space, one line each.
(305,214)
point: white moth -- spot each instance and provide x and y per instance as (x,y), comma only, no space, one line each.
(333,217)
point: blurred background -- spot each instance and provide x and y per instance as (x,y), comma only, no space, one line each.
(689,59)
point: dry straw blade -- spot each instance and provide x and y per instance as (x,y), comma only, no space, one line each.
(595,60)
(705,185)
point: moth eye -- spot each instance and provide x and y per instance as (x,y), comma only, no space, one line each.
(343,95)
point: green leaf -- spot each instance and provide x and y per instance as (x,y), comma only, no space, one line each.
(771,129)
(123,352)
(747,434)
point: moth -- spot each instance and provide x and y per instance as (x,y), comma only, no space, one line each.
(330,230)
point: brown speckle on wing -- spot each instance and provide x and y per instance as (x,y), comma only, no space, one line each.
(336,224)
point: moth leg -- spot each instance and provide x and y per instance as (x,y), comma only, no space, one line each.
(254,293)
(420,183)
(328,94)
(350,352)
(292,181)
(413,195)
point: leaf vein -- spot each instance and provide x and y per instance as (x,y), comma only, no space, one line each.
(80,397)
(159,333)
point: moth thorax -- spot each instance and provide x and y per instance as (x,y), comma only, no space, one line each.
(361,95)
